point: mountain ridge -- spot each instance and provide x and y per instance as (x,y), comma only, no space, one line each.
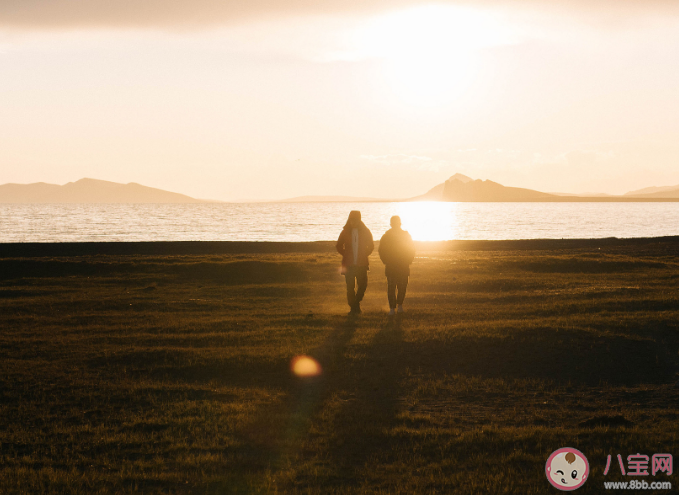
(460,188)
(465,189)
(652,190)
(88,190)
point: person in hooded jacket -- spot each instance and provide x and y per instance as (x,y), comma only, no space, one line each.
(397,252)
(355,243)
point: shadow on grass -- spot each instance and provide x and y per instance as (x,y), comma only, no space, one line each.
(364,431)
(647,355)
(573,356)
(224,272)
(275,434)
(367,378)
(578,265)
(175,366)
(360,430)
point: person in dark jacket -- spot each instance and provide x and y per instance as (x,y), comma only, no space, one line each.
(397,252)
(355,244)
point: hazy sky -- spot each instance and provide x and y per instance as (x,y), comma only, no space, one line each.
(273,99)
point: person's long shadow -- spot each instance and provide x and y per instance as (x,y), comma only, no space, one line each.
(361,428)
(308,394)
(366,378)
(282,431)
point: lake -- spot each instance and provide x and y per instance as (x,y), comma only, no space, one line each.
(323,221)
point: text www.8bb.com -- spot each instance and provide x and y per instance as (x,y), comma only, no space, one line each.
(637,485)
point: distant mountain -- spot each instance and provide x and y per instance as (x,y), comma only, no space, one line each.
(461,178)
(436,192)
(487,190)
(462,188)
(331,199)
(89,191)
(652,190)
(664,194)
(655,192)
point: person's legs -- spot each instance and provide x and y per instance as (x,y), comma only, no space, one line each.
(401,283)
(391,292)
(350,277)
(361,282)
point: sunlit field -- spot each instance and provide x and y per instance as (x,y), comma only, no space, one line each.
(174,373)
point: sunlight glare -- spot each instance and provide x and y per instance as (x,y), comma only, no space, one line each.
(430,53)
(429,220)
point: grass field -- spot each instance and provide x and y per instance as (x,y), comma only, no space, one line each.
(171,373)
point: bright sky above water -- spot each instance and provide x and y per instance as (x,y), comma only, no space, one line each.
(225,101)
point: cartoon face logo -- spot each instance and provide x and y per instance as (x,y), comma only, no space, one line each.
(567,469)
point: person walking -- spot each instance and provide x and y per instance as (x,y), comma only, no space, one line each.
(355,243)
(397,252)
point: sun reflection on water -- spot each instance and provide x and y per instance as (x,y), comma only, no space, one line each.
(429,220)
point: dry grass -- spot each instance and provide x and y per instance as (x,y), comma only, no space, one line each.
(170,374)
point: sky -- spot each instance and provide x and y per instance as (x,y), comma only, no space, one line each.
(265,99)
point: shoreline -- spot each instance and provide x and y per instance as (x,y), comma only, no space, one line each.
(47,249)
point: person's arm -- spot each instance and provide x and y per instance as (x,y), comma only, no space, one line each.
(340,244)
(411,249)
(370,245)
(382,250)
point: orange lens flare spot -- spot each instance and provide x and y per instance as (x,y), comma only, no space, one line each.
(305,366)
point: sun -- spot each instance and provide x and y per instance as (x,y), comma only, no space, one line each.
(430,54)
(430,220)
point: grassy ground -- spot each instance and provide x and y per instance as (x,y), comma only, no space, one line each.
(171,373)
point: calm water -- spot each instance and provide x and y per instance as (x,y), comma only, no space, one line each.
(323,221)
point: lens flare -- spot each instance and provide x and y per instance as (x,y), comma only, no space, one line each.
(305,366)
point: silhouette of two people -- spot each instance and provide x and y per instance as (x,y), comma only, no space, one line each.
(396,250)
